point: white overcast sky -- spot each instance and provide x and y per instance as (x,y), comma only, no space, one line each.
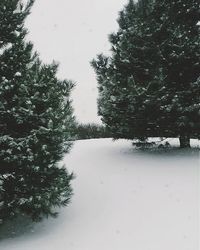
(72,33)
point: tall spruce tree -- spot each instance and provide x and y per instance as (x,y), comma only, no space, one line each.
(36,123)
(141,92)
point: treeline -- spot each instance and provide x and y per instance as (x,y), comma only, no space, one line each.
(90,131)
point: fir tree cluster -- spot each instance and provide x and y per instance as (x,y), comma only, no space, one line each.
(36,123)
(150,85)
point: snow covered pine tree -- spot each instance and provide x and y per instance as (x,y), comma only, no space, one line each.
(149,86)
(177,34)
(36,122)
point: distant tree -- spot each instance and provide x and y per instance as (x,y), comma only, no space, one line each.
(90,131)
(36,121)
(141,88)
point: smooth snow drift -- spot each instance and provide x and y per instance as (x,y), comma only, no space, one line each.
(125,199)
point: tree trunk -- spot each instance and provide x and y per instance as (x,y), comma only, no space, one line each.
(184,141)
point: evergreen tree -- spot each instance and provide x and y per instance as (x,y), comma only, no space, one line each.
(125,77)
(36,123)
(177,37)
(141,91)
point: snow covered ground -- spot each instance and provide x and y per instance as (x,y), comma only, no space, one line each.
(125,199)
